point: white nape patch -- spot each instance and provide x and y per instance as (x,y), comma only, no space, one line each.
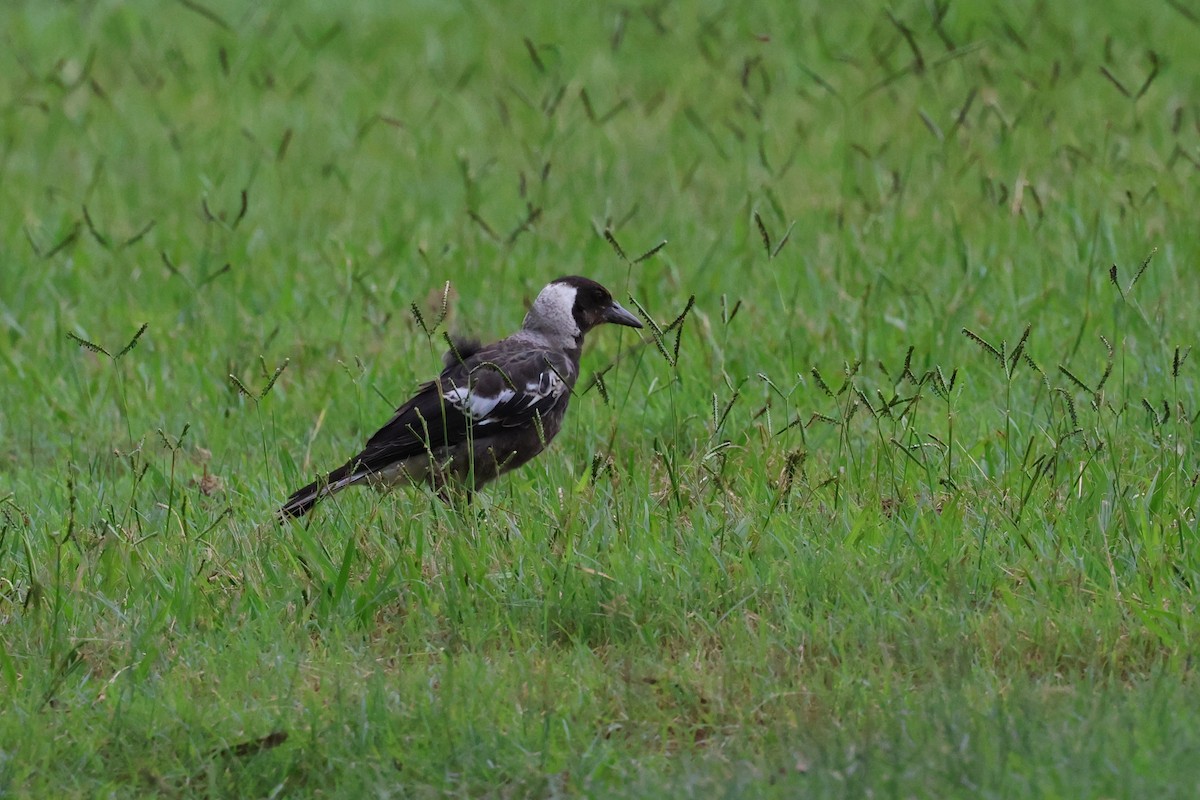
(553,311)
(477,406)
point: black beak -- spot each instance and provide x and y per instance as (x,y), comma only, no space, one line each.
(619,316)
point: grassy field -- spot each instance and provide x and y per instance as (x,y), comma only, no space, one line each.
(896,495)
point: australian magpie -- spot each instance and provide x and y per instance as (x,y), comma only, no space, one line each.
(491,410)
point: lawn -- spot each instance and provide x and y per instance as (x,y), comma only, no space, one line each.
(895,495)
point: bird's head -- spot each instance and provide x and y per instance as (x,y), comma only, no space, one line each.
(571,306)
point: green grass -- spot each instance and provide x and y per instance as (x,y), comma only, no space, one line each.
(904,504)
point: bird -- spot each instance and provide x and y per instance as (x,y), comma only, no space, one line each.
(492,409)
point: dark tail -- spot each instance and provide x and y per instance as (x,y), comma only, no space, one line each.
(303,500)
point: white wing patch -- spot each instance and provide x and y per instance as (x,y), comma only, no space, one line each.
(480,408)
(548,384)
(477,406)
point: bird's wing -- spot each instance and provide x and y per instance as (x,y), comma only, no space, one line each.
(516,391)
(496,387)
